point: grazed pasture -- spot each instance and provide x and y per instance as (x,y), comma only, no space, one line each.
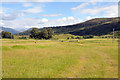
(90,58)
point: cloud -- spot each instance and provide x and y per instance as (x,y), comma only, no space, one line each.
(1,23)
(59,0)
(104,11)
(21,23)
(68,18)
(27,0)
(1,10)
(44,20)
(108,11)
(67,21)
(64,18)
(10,16)
(15,14)
(27,4)
(40,0)
(50,15)
(89,17)
(39,23)
(71,18)
(33,10)
(31,26)
(91,11)
(80,6)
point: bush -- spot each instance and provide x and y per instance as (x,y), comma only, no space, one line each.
(72,37)
(78,38)
(88,36)
(105,36)
(68,38)
(22,37)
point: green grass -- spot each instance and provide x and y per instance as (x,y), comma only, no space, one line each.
(90,58)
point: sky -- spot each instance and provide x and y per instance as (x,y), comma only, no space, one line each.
(24,15)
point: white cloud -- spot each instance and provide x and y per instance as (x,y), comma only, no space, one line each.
(39,23)
(93,3)
(44,20)
(51,15)
(104,11)
(1,10)
(33,10)
(90,11)
(71,18)
(21,23)
(64,18)
(80,6)
(89,17)
(62,21)
(59,0)
(27,4)
(109,11)
(1,23)
(31,26)
(10,16)
(27,0)
(39,0)
(68,21)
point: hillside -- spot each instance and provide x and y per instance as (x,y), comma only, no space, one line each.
(97,26)
(9,30)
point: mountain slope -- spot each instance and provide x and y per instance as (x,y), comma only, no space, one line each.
(99,29)
(9,30)
(97,26)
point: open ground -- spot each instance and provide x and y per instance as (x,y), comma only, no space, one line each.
(88,58)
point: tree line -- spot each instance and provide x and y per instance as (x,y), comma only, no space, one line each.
(81,37)
(44,34)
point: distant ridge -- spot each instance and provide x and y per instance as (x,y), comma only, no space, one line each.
(9,30)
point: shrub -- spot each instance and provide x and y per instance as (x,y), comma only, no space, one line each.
(72,37)
(22,37)
(88,36)
(78,38)
(68,38)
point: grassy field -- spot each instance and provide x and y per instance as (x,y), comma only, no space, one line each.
(90,58)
